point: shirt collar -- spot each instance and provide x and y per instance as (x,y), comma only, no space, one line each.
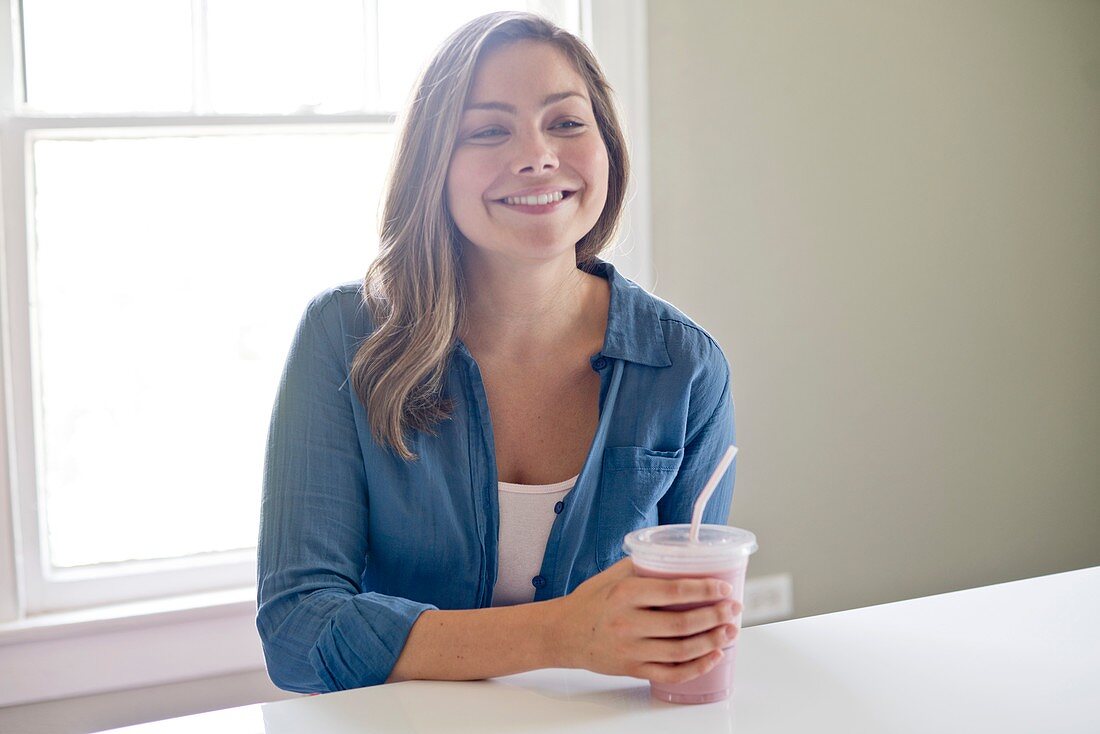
(634,330)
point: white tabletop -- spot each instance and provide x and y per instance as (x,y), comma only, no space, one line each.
(1015,657)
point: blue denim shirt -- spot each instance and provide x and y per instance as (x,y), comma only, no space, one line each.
(355,542)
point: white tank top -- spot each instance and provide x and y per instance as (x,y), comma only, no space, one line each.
(527,512)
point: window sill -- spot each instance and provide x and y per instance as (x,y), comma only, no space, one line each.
(110,648)
(110,618)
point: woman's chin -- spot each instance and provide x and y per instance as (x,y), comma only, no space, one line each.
(530,251)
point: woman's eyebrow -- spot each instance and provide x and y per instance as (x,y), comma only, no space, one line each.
(505,107)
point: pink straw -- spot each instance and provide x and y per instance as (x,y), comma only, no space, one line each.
(708,490)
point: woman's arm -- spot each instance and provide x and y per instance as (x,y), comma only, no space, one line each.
(319,629)
(606,625)
(478,643)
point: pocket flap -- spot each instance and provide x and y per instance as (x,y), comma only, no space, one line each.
(640,458)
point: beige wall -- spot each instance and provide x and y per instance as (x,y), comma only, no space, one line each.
(889,216)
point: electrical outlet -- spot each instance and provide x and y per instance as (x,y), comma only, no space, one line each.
(768,599)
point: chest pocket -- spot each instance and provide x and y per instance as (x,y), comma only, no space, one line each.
(633,479)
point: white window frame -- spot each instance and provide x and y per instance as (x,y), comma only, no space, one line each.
(103,637)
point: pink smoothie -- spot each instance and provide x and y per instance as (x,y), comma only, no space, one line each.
(716,684)
(720,552)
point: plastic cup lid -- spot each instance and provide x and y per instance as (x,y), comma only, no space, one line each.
(670,545)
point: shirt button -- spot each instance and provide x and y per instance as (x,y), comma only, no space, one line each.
(538,582)
(599,364)
(559,507)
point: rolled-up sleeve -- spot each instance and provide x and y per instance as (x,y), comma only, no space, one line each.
(710,432)
(321,631)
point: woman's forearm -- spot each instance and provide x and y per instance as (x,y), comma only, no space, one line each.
(614,623)
(470,644)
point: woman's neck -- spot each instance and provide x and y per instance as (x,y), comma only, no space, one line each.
(521,311)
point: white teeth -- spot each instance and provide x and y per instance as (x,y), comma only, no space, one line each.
(541,200)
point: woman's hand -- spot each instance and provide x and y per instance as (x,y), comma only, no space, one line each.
(608,625)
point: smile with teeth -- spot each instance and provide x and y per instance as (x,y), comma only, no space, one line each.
(540,200)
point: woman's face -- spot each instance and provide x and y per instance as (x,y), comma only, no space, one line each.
(528,177)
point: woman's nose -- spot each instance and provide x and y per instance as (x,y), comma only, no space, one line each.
(534,154)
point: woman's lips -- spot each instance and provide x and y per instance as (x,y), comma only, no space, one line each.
(546,208)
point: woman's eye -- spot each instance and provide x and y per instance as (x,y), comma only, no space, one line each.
(488,134)
(570,125)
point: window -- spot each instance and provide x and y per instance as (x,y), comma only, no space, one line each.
(178,179)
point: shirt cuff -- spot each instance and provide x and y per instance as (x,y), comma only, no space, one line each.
(361,643)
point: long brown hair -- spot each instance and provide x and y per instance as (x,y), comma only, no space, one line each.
(414,288)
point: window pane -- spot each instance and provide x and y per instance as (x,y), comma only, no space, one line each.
(108,55)
(409,32)
(286,55)
(170,274)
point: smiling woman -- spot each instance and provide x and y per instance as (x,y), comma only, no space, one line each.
(461,441)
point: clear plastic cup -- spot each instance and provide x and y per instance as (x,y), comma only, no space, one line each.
(722,552)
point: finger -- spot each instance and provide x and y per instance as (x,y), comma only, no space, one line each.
(661,623)
(651,592)
(680,672)
(687,648)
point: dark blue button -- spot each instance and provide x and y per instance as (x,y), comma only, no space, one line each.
(599,364)
(558,508)
(538,582)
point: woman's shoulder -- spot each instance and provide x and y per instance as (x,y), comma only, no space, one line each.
(696,373)
(637,307)
(342,310)
(350,291)
(663,336)
(688,343)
